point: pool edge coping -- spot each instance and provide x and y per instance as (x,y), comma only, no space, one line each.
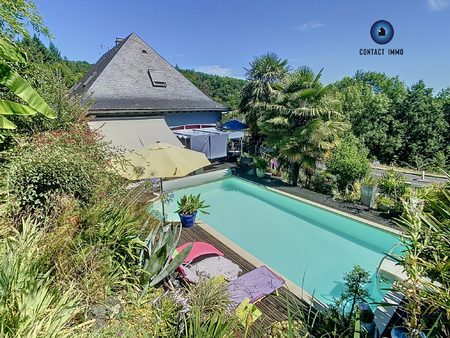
(337,211)
(291,286)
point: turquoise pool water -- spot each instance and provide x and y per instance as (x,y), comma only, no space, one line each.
(310,246)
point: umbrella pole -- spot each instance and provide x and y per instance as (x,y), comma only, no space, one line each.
(162,199)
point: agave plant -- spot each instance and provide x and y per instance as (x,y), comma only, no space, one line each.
(189,205)
(158,259)
(14,82)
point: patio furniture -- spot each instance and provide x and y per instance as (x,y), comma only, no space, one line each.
(254,285)
(160,160)
(208,268)
(198,250)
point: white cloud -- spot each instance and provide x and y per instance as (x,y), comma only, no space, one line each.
(307,26)
(215,70)
(437,5)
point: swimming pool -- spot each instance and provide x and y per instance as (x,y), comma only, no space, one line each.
(309,245)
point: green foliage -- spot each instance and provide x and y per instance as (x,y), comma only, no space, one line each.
(120,230)
(17,15)
(51,164)
(397,125)
(155,315)
(223,89)
(188,205)
(30,305)
(392,184)
(385,203)
(324,182)
(348,162)
(19,87)
(297,115)
(209,295)
(50,59)
(426,240)
(426,128)
(351,193)
(338,319)
(208,315)
(157,260)
(260,163)
(264,72)
(218,325)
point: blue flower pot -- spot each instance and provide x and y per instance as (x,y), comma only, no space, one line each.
(402,332)
(188,221)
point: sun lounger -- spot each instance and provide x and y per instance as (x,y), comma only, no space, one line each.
(254,285)
(209,268)
(193,269)
(198,250)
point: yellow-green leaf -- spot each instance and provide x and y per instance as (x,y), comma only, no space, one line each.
(11,53)
(6,124)
(13,108)
(9,78)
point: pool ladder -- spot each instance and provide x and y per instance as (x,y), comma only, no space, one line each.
(384,257)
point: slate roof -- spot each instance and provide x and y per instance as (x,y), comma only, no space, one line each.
(121,81)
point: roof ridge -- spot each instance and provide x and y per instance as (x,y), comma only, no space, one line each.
(173,68)
(99,67)
(125,83)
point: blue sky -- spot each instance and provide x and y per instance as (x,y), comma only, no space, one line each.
(223,36)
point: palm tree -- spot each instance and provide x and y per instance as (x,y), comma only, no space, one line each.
(301,121)
(264,72)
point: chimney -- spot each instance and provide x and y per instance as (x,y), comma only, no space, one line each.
(118,40)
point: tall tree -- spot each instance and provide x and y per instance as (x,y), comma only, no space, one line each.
(301,121)
(443,101)
(17,15)
(264,72)
(371,102)
(426,128)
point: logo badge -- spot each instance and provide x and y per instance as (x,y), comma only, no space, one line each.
(382,32)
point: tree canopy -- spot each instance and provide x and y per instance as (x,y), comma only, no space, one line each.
(223,89)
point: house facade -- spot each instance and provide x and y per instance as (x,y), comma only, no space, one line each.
(137,97)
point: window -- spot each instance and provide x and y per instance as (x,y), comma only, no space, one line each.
(158,78)
(85,83)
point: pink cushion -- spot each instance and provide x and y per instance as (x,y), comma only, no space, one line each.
(199,249)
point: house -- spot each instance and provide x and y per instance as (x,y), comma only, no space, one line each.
(138,97)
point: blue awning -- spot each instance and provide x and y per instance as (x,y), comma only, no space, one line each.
(234,125)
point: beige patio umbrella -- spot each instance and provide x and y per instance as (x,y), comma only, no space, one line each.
(161,160)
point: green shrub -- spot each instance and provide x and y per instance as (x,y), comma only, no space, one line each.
(260,163)
(218,325)
(154,315)
(384,203)
(51,164)
(120,228)
(210,295)
(392,184)
(351,193)
(30,305)
(208,314)
(339,317)
(349,162)
(324,182)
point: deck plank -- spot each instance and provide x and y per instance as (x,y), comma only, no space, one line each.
(274,307)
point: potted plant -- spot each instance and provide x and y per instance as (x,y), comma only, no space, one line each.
(260,165)
(368,190)
(188,207)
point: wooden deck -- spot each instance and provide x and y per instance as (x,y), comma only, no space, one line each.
(275,306)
